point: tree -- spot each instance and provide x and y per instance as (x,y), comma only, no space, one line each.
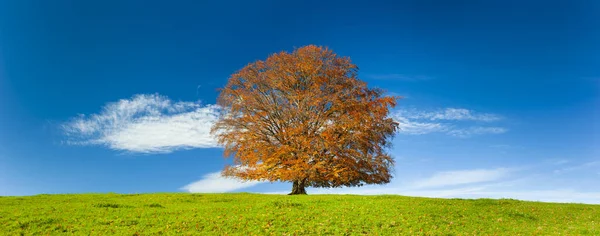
(304,117)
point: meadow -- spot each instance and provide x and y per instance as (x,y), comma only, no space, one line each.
(257,214)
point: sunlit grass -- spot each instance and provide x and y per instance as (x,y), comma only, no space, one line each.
(255,214)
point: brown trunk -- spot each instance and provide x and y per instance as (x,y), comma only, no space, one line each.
(298,187)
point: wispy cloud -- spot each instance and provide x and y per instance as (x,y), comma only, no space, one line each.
(215,183)
(408,126)
(399,77)
(450,178)
(458,114)
(145,124)
(465,133)
(451,121)
(579,167)
(557,161)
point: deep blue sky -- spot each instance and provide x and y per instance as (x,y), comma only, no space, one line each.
(533,67)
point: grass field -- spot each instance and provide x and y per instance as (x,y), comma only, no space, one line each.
(255,214)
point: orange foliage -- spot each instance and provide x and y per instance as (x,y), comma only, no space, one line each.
(305,117)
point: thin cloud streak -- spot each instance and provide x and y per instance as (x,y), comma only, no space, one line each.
(456,114)
(580,167)
(465,133)
(450,121)
(451,178)
(408,126)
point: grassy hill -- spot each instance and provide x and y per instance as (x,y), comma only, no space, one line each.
(255,214)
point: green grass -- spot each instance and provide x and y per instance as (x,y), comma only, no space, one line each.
(255,214)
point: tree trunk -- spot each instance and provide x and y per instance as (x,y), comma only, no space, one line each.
(298,187)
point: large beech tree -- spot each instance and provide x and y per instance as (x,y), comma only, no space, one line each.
(305,117)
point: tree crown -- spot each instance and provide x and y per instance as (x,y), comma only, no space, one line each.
(305,116)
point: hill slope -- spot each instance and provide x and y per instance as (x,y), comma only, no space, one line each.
(255,214)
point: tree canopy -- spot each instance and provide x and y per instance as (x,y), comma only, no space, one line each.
(305,117)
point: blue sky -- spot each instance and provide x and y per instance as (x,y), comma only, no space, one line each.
(501,99)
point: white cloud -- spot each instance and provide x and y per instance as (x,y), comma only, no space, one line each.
(465,133)
(414,127)
(458,114)
(556,161)
(215,183)
(414,122)
(580,167)
(146,124)
(449,178)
